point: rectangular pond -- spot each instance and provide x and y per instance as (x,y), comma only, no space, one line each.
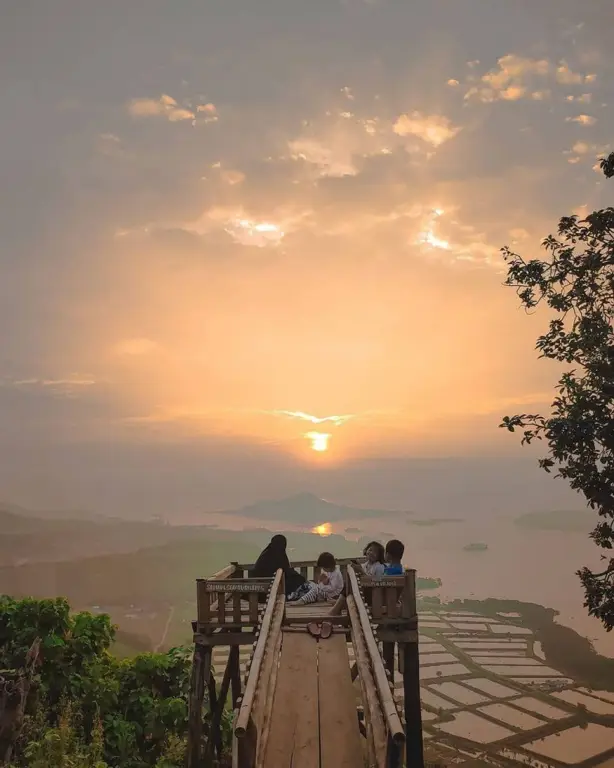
(459,693)
(597,706)
(497,690)
(514,717)
(475,728)
(512,670)
(442,670)
(541,708)
(575,745)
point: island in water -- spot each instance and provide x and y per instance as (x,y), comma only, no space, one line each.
(476,547)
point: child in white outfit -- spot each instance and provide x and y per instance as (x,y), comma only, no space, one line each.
(330,582)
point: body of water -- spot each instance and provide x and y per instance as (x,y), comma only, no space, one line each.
(519,564)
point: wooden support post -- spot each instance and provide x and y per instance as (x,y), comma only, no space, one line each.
(414,754)
(214,739)
(235,675)
(217,710)
(388,653)
(201,669)
(393,753)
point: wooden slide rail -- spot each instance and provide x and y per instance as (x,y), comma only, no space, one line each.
(384,728)
(253,715)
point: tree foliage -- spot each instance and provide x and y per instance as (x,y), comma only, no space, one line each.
(87,708)
(576,282)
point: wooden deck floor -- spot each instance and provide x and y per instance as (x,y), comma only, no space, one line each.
(295,612)
(310,728)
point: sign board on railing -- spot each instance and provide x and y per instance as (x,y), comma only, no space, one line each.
(213,586)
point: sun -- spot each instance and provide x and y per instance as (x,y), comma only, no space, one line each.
(324,529)
(319,440)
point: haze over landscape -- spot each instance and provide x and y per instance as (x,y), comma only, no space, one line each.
(252,282)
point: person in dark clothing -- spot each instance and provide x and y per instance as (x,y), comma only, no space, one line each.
(273,557)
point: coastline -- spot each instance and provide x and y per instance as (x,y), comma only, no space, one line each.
(563,647)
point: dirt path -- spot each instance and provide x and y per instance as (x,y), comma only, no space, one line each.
(171,613)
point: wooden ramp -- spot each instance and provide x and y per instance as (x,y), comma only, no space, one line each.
(314,723)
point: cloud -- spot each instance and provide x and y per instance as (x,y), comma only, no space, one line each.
(515,77)
(582,119)
(165,106)
(509,79)
(433,129)
(328,161)
(66,385)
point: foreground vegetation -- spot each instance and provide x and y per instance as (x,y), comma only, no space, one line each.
(576,283)
(66,701)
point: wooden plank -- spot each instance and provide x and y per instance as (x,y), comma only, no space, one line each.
(305,614)
(408,598)
(377,602)
(225,573)
(391,602)
(203,602)
(305,563)
(253,608)
(293,737)
(221,610)
(339,733)
(389,635)
(261,585)
(236,608)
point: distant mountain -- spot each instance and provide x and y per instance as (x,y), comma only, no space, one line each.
(571,521)
(25,537)
(308,509)
(49,514)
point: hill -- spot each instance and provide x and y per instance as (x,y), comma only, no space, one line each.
(27,538)
(310,510)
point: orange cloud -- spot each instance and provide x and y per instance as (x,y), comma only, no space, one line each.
(433,129)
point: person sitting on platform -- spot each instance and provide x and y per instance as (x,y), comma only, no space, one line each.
(394,554)
(328,586)
(272,558)
(374,565)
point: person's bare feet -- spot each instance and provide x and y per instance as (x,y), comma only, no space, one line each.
(338,607)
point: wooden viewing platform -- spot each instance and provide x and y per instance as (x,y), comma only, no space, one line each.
(298,705)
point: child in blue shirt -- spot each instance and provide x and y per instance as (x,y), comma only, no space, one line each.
(394,555)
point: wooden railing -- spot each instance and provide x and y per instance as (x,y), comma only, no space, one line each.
(392,599)
(307,568)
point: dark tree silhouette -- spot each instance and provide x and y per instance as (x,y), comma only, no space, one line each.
(576,282)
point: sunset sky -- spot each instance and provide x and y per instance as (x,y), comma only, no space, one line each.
(215,214)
